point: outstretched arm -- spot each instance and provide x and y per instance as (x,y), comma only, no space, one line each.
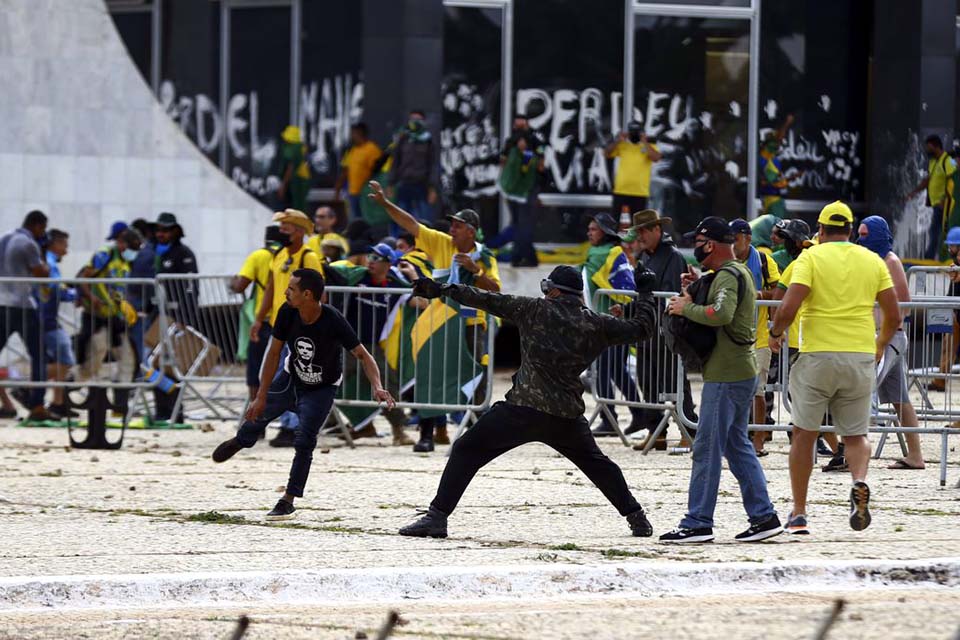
(372,371)
(499,304)
(398,215)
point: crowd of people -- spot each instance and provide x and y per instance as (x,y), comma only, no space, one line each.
(114,316)
(826,283)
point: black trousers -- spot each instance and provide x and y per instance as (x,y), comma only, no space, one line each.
(507,426)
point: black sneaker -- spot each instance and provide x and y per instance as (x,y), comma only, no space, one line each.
(639,525)
(423,445)
(683,535)
(822,448)
(284,438)
(433,524)
(283,511)
(859,503)
(761,530)
(226,450)
(837,463)
(62,411)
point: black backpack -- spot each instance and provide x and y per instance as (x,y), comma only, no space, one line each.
(692,341)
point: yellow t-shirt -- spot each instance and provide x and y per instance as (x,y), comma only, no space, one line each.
(793,333)
(942,172)
(315,240)
(256,269)
(282,268)
(359,162)
(844,281)
(763,313)
(439,246)
(633,172)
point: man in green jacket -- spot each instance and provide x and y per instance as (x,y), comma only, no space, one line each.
(729,383)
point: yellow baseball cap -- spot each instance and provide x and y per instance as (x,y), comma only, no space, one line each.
(835,214)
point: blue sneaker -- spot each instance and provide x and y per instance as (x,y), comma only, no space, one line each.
(797,525)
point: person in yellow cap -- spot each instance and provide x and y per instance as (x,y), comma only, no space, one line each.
(295,170)
(836,282)
(293,255)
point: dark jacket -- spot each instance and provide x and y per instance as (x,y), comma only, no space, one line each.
(413,161)
(183,296)
(558,340)
(667,262)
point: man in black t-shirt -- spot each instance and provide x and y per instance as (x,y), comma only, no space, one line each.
(312,373)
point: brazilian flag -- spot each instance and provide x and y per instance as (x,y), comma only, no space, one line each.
(446,372)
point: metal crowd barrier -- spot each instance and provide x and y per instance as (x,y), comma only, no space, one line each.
(928,323)
(432,358)
(73,333)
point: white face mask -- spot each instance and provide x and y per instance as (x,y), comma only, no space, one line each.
(130,254)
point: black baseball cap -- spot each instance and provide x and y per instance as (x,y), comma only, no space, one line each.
(741,226)
(467,216)
(566,278)
(714,228)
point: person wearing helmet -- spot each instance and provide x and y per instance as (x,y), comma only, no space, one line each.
(559,338)
(794,233)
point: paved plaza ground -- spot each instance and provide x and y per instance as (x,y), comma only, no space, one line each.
(160,506)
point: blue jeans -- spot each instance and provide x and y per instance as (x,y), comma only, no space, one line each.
(722,432)
(356,212)
(412,198)
(312,406)
(26,322)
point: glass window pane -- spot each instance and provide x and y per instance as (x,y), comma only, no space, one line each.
(471,94)
(331,91)
(190,71)
(568,74)
(814,66)
(136,31)
(259,105)
(702,3)
(691,96)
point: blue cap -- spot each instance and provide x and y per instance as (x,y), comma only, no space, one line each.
(116,229)
(741,226)
(953,235)
(383,250)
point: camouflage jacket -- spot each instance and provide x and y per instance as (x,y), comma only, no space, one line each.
(558,339)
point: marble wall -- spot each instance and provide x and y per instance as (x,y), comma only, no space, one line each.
(83,139)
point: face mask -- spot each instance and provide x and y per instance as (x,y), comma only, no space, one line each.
(130,255)
(163,248)
(700,253)
(634,138)
(285,240)
(932,155)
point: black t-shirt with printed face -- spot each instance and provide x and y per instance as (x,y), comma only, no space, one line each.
(315,349)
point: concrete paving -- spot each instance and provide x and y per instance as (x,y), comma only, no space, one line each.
(159,505)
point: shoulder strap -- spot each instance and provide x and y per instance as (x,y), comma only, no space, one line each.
(304,255)
(740,284)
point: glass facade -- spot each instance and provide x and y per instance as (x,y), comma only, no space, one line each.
(687,78)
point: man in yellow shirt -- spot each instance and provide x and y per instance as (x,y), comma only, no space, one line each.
(457,259)
(631,185)
(294,255)
(837,283)
(256,271)
(357,165)
(323,221)
(939,183)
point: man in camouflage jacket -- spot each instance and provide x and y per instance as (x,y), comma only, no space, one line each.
(559,338)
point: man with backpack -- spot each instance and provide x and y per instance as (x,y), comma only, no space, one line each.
(730,380)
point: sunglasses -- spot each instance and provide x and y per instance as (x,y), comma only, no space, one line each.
(374,257)
(286,265)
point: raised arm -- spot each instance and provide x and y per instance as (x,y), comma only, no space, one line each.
(406,221)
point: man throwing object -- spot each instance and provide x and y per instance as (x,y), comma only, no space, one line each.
(559,338)
(309,382)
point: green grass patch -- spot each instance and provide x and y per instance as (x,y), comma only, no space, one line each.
(215,517)
(566,546)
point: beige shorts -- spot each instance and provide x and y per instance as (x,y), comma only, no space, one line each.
(763,366)
(841,383)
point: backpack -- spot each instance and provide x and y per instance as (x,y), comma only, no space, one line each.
(692,341)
